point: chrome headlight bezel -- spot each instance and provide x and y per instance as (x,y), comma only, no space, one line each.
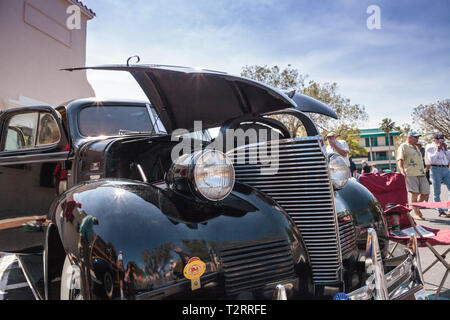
(339,171)
(185,175)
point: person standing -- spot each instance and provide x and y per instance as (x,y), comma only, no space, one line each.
(338,146)
(365,168)
(421,147)
(374,168)
(352,166)
(410,164)
(121,274)
(437,160)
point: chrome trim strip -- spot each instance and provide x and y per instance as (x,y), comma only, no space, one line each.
(35,158)
(401,273)
(142,173)
(392,278)
(374,267)
(280,293)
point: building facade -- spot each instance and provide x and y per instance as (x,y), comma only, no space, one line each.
(38,38)
(381,149)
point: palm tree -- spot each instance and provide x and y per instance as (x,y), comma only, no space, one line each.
(387,126)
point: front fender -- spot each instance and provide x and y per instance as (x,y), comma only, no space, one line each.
(358,202)
(158,231)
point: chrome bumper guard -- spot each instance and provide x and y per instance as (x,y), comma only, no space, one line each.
(404,282)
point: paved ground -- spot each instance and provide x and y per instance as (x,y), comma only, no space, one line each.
(13,285)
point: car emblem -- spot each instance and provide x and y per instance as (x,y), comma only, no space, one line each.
(193,271)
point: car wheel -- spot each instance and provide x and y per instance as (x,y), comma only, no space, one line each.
(108,284)
(71,282)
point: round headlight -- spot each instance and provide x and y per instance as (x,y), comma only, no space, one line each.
(208,174)
(213,175)
(339,171)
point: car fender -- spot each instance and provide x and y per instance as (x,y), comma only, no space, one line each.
(356,201)
(153,225)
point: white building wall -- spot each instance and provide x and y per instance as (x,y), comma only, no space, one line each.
(35,44)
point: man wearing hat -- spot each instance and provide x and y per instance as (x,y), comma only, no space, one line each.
(437,160)
(338,146)
(410,164)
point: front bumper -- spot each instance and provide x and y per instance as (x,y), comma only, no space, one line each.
(399,278)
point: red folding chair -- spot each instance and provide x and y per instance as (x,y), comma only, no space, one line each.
(390,191)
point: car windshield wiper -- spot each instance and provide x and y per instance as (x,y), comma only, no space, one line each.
(130,132)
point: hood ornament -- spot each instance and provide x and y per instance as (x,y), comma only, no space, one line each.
(138,59)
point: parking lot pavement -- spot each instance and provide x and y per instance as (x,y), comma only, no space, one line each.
(434,276)
(13,285)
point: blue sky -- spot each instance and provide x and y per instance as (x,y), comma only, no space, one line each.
(390,71)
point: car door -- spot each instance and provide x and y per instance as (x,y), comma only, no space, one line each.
(32,145)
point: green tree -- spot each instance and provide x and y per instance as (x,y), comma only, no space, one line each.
(404,130)
(196,248)
(286,79)
(350,134)
(387,126)
(350,115)
(157,257)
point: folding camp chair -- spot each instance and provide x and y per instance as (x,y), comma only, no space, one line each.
(390,191)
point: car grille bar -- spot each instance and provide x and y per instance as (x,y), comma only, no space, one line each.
(251,267)
(302,187)
(347,235)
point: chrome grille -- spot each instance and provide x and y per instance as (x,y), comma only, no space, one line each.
(347,235)
(252,267)
(303,188)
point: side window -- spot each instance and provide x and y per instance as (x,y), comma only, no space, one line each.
(30,130)
(48,130)
(14,140)
(21,132)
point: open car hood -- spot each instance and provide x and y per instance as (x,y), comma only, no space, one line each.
(184,95)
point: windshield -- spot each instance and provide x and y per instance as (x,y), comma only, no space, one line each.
(199,135)
(97,121)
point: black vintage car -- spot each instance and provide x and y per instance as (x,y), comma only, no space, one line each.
(106,193)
